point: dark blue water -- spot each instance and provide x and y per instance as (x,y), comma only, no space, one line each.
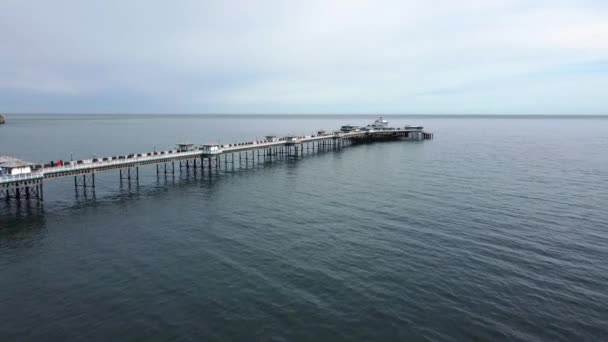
(495,230)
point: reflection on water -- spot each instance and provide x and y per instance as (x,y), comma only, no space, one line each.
(22,224)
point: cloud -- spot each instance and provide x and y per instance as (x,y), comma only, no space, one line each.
(301,57)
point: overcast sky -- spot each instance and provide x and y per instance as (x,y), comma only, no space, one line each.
(197,56)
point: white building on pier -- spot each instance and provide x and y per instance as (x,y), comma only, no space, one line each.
(13,166)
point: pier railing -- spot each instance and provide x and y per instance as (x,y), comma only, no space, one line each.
(119,162)
(21,177)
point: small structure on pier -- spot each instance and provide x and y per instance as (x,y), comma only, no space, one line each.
(13,166)
(184,147)
(292,139)
(350,128)
(272,138)
(211,149)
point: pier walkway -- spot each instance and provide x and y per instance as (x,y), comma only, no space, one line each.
(29,185)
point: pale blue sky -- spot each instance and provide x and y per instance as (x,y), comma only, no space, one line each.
(315,56)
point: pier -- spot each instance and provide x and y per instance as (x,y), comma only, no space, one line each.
(22,180)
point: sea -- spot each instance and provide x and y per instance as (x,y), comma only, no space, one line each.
(495,230)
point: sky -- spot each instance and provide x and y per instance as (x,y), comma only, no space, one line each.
(282,56)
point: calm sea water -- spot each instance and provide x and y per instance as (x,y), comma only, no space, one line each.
(495,230)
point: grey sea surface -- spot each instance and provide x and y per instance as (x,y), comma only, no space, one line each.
(495,230)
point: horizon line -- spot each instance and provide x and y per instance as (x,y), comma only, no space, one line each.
(311,114)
